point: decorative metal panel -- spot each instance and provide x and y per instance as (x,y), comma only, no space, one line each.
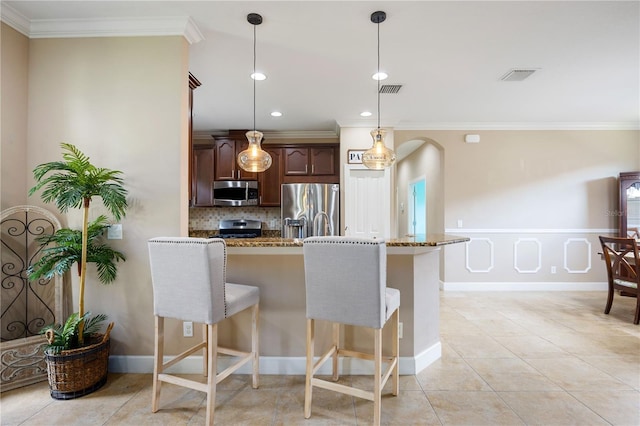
(26,306)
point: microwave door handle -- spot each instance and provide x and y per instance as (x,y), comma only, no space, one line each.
(246,191)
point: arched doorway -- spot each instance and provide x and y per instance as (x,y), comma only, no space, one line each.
(420,159)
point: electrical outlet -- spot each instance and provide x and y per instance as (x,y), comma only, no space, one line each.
(187,329)
(400,330)
(553,269)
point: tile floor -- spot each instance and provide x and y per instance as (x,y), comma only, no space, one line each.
(544,358)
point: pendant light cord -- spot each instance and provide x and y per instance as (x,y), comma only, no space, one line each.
(254,78)
(378,24)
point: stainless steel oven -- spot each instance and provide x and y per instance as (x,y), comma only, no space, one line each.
(239,228)
(235,193)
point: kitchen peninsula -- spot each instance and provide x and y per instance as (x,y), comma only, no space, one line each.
(276,265)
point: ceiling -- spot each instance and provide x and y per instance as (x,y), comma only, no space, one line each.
(448,56)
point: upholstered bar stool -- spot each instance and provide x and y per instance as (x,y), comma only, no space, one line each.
(189,284)
(346,284)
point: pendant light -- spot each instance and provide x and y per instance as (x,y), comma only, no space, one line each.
(378,157)
(254,158)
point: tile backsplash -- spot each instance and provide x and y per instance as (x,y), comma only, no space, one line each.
(208,218)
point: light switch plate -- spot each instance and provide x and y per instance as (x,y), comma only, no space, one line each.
(114,232)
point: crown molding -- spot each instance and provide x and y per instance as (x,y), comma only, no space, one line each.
(103,27)
(192,32)
(312,134)
(521,126)
(400,125)
(15,20)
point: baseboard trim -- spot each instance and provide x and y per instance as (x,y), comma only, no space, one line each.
(426,358)
(273,364)
(523,286)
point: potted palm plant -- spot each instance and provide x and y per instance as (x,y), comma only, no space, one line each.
(77,357)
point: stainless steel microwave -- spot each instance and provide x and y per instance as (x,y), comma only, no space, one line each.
(235,193)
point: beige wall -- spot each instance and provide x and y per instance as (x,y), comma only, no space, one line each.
(13,115)
(123,102)
(530,200)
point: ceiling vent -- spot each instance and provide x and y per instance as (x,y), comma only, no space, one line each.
(390,88)
(518,74)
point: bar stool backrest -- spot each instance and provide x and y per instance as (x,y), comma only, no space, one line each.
(188,276)
(345,280)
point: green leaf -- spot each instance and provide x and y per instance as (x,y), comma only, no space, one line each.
(66,336)
(64,249)
(68,183)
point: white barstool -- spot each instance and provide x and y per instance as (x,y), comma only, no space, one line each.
(189,284)
(345,281)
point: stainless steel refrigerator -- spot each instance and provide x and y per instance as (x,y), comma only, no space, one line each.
(310,209)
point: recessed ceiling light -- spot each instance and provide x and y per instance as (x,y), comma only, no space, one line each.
(276,114)
(258,76)
(380,75)
(365,114)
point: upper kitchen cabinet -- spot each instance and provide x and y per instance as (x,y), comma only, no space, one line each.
(630,205)
(271,179)
(202,176)
(226,165)
(311,163)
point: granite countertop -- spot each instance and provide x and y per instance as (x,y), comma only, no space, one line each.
(430,240)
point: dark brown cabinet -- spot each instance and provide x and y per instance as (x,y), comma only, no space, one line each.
(271,179)
(202,176)
(630,205)
(310,161)
(226,165)
(291,163)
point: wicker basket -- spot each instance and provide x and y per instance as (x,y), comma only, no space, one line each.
(78,372)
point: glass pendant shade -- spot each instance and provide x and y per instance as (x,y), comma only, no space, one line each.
(378,157)
(254,158)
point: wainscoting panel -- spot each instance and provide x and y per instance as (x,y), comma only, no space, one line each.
(482,249)
(526,258)
(530,250)
(577,253)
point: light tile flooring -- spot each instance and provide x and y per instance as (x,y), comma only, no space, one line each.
(544,358)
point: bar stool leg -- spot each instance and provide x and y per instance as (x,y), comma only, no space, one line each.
(309,369)
(255,344)
(336,344)
(157,361)
(205,350)
(212,358)
(395,351)
(377,391)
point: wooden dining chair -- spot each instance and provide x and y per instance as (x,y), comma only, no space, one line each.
(623,269)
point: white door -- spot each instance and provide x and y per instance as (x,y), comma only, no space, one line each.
(367,202)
